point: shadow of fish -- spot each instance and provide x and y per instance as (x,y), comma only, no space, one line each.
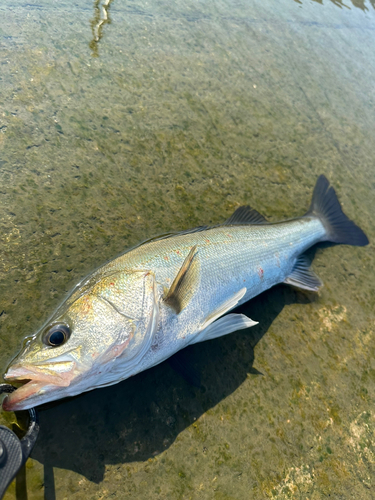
(142,307)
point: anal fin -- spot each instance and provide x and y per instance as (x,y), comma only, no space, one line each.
(303,277)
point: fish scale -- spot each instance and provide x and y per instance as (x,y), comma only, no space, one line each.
(232,259)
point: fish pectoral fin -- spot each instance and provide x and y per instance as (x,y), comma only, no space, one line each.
(245,215)
(184,284)
(223,326)
(303,277)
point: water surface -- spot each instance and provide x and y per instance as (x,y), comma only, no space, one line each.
(123,120)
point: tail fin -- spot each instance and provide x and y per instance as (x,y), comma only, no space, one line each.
(326,206)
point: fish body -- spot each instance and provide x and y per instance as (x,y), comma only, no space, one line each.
(231,259)
(142,307)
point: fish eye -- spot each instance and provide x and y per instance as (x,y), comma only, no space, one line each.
(57,335)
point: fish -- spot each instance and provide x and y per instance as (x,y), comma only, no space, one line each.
(170,292)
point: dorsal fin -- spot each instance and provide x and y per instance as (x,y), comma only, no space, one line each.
(242,215)
(245,215)
(184,284)
(164,236)
(198,229)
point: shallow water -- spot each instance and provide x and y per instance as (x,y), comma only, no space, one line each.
(123,121)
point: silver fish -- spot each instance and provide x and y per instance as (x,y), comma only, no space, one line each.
(142,307)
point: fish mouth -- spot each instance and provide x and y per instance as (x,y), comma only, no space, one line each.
(14,400)
(35,383)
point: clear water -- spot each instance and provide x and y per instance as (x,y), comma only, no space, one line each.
(125,120)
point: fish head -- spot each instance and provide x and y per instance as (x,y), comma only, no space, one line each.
(95,338)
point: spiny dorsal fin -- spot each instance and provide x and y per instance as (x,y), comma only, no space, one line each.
(303,277)
(242,215)
(245,215)
(184,284)
(198,229)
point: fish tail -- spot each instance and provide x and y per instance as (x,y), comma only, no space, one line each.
(326,206)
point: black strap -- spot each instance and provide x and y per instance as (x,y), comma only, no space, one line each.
(13,451)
